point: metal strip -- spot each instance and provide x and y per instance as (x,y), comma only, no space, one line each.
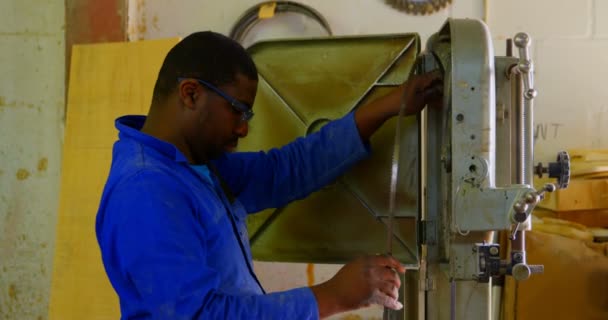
(248,20)
(384,72)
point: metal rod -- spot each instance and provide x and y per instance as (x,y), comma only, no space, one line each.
(529,141)
(517,101)
(452,299)
(525,69)
(519,243)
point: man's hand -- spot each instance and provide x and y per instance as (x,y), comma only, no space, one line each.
(364,281)
(416,92)
(419,91)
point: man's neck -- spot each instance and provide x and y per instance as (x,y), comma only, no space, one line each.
(161,127)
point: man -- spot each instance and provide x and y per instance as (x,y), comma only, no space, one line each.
(171,223)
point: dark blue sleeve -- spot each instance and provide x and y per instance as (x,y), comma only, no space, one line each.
(272,179)
(154,250)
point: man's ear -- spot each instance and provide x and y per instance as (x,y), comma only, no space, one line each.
(188,92)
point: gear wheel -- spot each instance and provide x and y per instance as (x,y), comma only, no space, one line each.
(419,7)
(561,169)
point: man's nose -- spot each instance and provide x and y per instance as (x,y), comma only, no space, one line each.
(242,128)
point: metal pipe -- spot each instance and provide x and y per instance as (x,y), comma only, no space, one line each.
(496,302)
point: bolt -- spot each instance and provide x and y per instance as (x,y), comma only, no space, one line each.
(531,94)
(532,198)
(520,207)
(525,66)
(550,187)
(518,257)
(520,217)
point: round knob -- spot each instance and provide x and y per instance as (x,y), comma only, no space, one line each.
(521,272)
(521,40)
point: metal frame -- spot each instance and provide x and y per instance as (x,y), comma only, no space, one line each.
(467,199)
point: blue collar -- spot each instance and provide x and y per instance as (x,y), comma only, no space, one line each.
(203,172)
(129,127)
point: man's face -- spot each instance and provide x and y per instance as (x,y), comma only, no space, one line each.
(220,125)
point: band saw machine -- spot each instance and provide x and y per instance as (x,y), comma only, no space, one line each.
(441,185)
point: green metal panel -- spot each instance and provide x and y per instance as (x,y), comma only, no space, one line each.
(303,84)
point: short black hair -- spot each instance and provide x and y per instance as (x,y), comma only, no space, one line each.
(205,55)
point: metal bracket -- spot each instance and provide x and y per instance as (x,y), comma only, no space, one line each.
(489,264)
(479,209)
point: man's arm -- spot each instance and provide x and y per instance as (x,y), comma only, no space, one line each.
(270,179)
(273,179)
(415,93)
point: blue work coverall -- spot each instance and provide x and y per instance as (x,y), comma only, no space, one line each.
(174,245)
